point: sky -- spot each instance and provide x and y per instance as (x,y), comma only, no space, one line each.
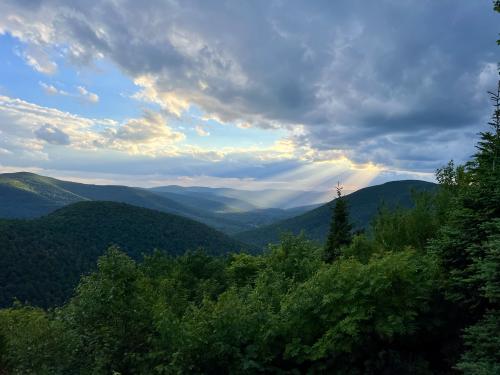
(247,94)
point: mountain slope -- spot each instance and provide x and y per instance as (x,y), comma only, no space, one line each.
(28,195)
(42,259)
(49,193)
(363,206)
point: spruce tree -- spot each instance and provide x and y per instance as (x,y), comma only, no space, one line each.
(340,228)
(469,251)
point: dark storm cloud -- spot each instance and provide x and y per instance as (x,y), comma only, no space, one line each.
(384,81)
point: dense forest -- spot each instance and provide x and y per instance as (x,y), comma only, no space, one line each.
(42,259)
(416,293)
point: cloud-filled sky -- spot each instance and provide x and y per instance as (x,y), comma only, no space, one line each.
(243,93)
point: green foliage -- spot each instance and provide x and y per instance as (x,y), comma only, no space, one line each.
(468,249)
(395,229)
(474,210)
(340,229)
(42,259)
(110,317)
(482,341)
(242,269)
(35,342)
(295,258)
(361,248)
(283,311)
(347,312)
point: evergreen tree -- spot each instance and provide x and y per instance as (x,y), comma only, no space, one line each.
(496,6)
(340,228)
(468,250)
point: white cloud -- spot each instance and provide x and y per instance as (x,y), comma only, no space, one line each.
(81,92)
(39,60)
(201,131)
(26,127)
(149,135)
(35,31)
(170,101)
(49,89)
(52,90)
(87,95)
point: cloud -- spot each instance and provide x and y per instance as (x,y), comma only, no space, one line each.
(81,92)
(52,90)
(39,137)
(26,128)
(364,80)
(32,29)
(149,135)
(49,89)
(201,131)
(39,61)
(146,151)
(86,95)
(52,135)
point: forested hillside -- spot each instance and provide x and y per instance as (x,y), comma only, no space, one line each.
(363,207)
(47,194)
(42,259)
(28,195)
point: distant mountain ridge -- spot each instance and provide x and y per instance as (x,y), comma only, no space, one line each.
(50,194)
(363,206)
(42,259)
(206,197)
(251,199)
(28,195)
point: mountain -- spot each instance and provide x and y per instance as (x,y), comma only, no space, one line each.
(246,200)
(209,198)
(28,195)
(363,206)
(42,259)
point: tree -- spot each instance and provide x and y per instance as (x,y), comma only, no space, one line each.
(496,6)
(351,318)
(111,316)
(468,249)
(340,228)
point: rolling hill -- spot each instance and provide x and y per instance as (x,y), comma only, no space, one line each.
(28,195)
(42,259)
(363,206)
